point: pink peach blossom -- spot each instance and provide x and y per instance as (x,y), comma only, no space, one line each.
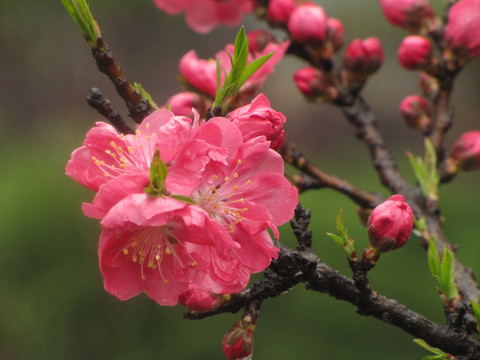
(204,15)
(257,119)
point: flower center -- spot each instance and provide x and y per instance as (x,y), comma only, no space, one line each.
(222,197)
(148,248)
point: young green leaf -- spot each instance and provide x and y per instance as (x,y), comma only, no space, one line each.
(426,171)
(343,240)
(447,278)
(80,13)
(433,258)
(253,67)
(476,311)
(183,198)
(145,95)
(438,354)
(158,175)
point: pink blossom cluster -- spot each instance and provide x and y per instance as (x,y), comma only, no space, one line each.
(209,230)
(204,15)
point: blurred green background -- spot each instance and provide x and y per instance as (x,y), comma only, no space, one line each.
(52,302)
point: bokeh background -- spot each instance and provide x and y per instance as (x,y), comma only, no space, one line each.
(52,302)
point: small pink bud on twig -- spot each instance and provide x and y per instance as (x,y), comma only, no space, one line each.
(363,56)
(411,15)
(416,112)
(415,52)
(279,11)
(463,30)
(308,24)
(466,151)
(429,84)
(238,341)
(314,84)
(390,224)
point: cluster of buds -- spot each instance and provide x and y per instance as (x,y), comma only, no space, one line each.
(389,227)
(362,58)
(416,112)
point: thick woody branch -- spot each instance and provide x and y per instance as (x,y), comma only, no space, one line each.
(106,63)
(100,103)
(293,267)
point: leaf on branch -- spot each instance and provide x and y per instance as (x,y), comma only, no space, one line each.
(343,239)
(426,171)
(442,270)
(438,354)
(476,311)
(145,95)
(80,13)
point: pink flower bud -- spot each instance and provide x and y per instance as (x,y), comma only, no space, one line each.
(259,119)
(363,57)
(259,39)
(238,341)
(416,112)
(196,299)
(463,29)
(311,82)
(182,104)
(466,151)
(308,24)
(390,224)
(279,11)
(335,34)
(415,52)
(408,14)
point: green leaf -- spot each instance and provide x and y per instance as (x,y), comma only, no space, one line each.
(145,95)
(447,277)
(433,258)
(253,67)
(158,174)
(433,350)
(476,312)
(80,13)
(426,171)
(183,198)
(343,240)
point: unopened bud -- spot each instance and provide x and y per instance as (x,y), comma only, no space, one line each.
(416,112)
(313,84)
(182,104)
(238,341)
(466,151)
(463,30)
(308,24)
(390,224)
(363,56)
(279,11)
(415,52)
(412,15)
(196,299)
(259,39)
(335,36)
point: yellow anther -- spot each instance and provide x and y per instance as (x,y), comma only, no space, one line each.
(239,161)
(93,158)
(165,281)
(105,174)
(147,125)
(249,182)
(137,132)
(134,258)
(112,143)
(235,175)
(122,159)
(229,196)
(97,162)
(168,251)
(227,178)
(120,150)
(130,148)
(157,257)
(235,188)
(216,207)
(195,263)
(108,152)
(122,136)
(151,265)
(123,166)
(143,277)
(214,177)
(239,220)
(112,167)
(226,211)
(147,137)
(125,251)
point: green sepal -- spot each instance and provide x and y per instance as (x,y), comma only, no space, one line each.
(80,13)
(343,239)
(183,198)
(426,171)
(145,95)
(158,175)
(476,312)
(438,354)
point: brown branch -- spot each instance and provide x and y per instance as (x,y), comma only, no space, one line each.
(137,107)
(296,158)
(100,103)
(293,267)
